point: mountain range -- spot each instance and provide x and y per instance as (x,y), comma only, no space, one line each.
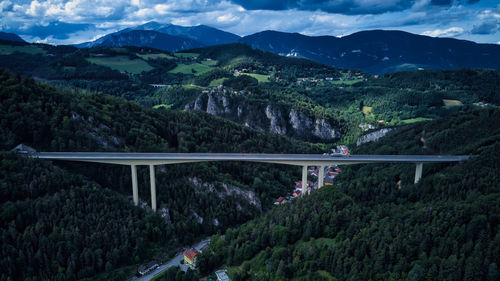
(379,51)
(374,51)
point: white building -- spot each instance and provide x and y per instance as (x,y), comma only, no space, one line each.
(222,275)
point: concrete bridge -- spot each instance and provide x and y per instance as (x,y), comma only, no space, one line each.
(304,160)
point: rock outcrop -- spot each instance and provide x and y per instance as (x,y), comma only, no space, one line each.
(222,190)
(262,116)
(373,136)
(276,121)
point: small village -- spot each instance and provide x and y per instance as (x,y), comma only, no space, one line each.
(330,173)
(186,259)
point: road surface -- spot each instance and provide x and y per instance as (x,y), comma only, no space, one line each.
(290,159)
(176,261)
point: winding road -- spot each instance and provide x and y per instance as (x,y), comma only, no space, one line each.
(176,261)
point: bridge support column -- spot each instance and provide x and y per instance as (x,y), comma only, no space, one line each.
(135,190)
(304,180)
(152,180)
(321,176)
(418,172)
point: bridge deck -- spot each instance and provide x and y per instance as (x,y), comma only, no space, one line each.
(293,159)
(304,160)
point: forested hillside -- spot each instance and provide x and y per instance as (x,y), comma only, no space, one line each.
(59,226)
(375,224)
(74,220)
(264,91)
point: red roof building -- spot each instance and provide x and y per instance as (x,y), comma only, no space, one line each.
(190,256)
(296,193)
(280,200)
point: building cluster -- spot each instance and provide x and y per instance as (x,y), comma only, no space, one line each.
(350,76)
(330,173)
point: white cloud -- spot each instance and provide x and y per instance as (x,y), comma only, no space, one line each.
(162,9)
(36,9)
(4,5)
(227,18)
(449,32)
(112,15)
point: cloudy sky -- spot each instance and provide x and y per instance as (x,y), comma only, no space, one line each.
(75,21)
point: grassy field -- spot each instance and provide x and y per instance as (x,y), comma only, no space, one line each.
(452,102)
(415,120)
(192,86)
(186,55)
(367,110)
(29,49)
(154,56)
(209,62)
(122,63)
(166,106)
(260,77)
(217,82)
(188,69)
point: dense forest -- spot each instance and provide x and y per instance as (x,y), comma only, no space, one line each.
(72,221)
(375,224)
(85,195)
(58,226)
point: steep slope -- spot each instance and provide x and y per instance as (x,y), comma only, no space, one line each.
(57,225)
(374,223)
(144,38)
(10,37)
(269,114)
(380,51)
(204,34)
(191,194)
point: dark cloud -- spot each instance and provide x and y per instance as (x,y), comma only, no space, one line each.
(441,2)
(485,28)
(348,7)
(56,29)
(330,6)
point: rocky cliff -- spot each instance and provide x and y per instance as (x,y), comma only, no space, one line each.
(263,116)
(223,190)
(373,136)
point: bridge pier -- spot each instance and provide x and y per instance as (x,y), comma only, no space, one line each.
(135,190)
(321,176)
(418,172)
(152,180)
(304,180)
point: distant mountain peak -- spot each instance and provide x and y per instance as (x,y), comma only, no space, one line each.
(192,36)
(144,38)
(11,37)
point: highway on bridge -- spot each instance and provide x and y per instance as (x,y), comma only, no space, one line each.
(290,159)
(304,160)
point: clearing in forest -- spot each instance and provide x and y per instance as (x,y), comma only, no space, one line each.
(452,102)
(122,63)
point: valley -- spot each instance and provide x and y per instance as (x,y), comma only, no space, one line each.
(215,92)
